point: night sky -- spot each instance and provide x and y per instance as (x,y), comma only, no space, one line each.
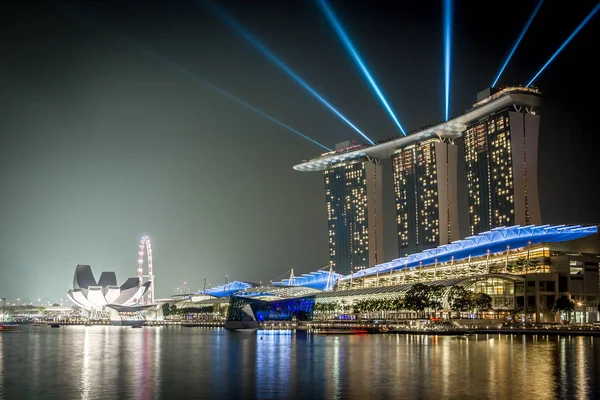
(102,144)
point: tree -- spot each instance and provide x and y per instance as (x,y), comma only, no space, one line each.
(482,301)
(173,310)
(343,306)
(166,308)
(434,297)
(421,297)
(415,298)
(565,304)
(460,299)
(398,304)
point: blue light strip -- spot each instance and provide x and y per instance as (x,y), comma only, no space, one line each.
(575,32)
(517,42)
(342,34)
(238,28)
(447,51)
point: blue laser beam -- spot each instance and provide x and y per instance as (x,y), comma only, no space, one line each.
(537,8)
(447,51)
(257,44)
(346,41)
(575,32)
(188,74)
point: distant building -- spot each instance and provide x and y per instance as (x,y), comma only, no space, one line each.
(501,163)
(94,297)
(354,215)
(425,190)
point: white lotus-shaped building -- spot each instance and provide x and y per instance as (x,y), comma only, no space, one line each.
(92,295)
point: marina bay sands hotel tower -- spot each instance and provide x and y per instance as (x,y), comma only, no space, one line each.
(354,213)
(496,141)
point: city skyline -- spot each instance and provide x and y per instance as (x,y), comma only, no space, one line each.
(102,145)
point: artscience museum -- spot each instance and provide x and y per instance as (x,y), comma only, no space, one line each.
(98,297)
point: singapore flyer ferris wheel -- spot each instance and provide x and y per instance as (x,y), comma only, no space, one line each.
(146,245)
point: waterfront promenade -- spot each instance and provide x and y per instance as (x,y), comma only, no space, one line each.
(381,327)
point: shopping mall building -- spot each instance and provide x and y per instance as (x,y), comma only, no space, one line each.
(523,269)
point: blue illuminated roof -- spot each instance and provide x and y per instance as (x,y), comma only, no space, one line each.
(317,280)
(495,241)
(228,289)
(271,293)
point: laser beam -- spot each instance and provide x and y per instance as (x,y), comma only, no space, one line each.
(179,69)
(447,49)
(517,42)
(346,41)
(575,32)
(262,48)
(195,78)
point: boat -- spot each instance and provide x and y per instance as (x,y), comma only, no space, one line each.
(54,326)
(136,325)
(248,322)
(8,327)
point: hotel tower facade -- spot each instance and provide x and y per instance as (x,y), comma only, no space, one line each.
(425,191)
(354,215)
(501,164)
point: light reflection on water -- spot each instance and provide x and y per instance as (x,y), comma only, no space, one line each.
(156,363)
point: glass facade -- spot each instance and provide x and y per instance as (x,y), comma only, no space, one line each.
(294,309)
(416,195)
(347,217)
(489,164)
(502,292)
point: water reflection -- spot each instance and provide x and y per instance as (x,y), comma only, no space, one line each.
(581,363)
(156,357)
(336,368)
(85,373)
(274,360)
(114,362)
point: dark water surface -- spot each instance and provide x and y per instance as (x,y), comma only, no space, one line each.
(163,363)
